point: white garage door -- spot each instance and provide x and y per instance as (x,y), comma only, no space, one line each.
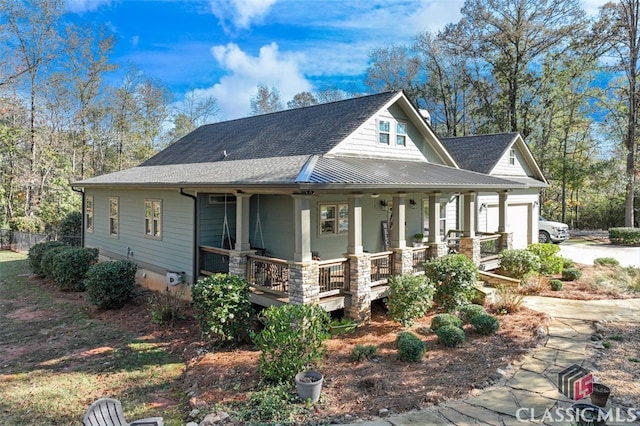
(517,223)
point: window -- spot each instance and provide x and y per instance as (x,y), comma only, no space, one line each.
(512,157)
(443,219)
(401,134)
(88,213)
(334,219)
(384,132)
(152,218)
(113,217)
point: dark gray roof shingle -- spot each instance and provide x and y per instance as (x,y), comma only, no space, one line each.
(301,131)
(479,153)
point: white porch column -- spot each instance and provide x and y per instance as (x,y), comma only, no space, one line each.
(355,224)
(302,227)
(469,228)
(242,222)
(434,218)
(398,238)
(503,209)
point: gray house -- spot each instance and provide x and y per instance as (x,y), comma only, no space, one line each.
(320,204)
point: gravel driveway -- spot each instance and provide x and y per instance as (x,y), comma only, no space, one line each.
(585,252)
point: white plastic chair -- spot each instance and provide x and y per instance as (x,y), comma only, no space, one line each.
(108,412)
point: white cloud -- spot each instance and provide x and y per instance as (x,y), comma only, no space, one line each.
(135,40)
(592,6)
(80,6)
(240,13)
(245,72)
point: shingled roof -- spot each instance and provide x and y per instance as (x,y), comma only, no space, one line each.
(310,130)
(479,153)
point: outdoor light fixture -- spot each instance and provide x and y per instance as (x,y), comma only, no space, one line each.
(383,204)
(412,203)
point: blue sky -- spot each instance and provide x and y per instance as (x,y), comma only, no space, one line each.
(225,48)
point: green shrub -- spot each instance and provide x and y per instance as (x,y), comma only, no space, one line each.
(550,262)
(485,324)
(556,285)
(362,352)
(467,312)
(450,336)
(110,285)
(606,261)
(49,260)
(455,277)
(222,306)
(71,266)
(516,263)
(567,263)
(571,274)
(410,347)
(624,236)
(272,405)
(71,228)
(37,252)
(440,320)
(410,298)
(167,307)
(31,224)
(291,341)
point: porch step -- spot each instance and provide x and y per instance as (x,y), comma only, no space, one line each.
(496,280)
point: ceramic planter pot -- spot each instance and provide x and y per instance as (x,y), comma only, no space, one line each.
(600,394)
(309,385)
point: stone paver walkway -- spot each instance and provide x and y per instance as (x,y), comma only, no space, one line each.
(529,393)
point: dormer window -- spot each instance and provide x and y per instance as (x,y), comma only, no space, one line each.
(384,132)
(512,157)
(401,133)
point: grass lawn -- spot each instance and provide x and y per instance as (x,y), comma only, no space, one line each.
(55,359)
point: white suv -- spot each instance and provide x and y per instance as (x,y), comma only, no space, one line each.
(552,232)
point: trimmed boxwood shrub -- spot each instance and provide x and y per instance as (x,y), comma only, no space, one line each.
(550,262)
(50,258)
(556,285)
(410,297)
(71,265)
(467,312)
(110,285)
(37,252)
(291,341)
(571,274)
(455,277)
(222,306)
(517,263)
(410,347)
(450,336)
(624,236)
(485,324)
(440,320)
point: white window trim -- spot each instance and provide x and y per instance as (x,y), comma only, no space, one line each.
(89,228)
(512,157)
(117,217)
(336,219)
(379,132)
(151,235)
(405,134)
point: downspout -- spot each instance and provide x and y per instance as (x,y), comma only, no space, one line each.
(194,256)
(83,218)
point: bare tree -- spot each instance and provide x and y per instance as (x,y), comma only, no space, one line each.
(266,101)
(302,99)
(618,26)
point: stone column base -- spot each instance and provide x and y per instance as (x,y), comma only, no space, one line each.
(360,288)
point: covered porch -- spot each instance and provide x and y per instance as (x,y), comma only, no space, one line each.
(357,277)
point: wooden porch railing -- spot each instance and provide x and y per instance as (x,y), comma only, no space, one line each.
(214,260)
(489,247)
(381,267)
(268,274)
(333,276)
(419,257)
